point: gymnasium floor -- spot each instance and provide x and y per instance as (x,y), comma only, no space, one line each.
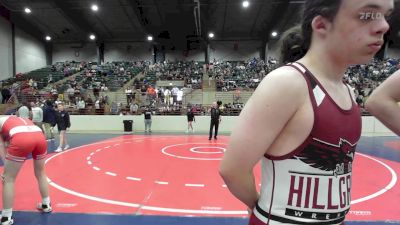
(173,179)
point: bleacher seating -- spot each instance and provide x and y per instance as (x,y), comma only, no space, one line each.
(235,83)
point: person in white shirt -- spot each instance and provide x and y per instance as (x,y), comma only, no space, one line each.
(174,92)
(179,96)
(128,93)
(71,94)
(133,108)
(81,106)
(167,96)
(37,115)
(24,112)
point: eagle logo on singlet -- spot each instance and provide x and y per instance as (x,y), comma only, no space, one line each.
(329,157)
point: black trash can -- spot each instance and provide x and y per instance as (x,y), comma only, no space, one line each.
(128,125)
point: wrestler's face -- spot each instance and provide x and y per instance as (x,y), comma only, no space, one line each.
(356,33)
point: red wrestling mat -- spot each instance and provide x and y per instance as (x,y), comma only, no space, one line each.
(177,175)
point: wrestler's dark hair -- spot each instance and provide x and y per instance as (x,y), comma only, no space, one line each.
(296,41)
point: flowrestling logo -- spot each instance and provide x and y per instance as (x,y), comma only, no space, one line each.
(371,16)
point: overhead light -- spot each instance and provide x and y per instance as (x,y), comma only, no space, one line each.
(92,37)
(211,35)
(274,34)
(27,10)
(48,38)
(95,8)
(149,38)
(245,4)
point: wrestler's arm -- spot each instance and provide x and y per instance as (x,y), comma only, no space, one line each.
(384,103)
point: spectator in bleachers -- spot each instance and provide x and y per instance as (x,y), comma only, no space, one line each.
(229,76)
(167,96)
(58,101)
(50,79)
(77,92)
(99,106)
(174,93)
(160,94)
(128,93)
(151,93)
(179,96)
(81,90)
(71,93)
(96,91)
(54,93)
(133,108)
(89,103)
(81,105)
(106,108)
(114,108)
(134,96)
(6,94)
(104,88)
(237,96)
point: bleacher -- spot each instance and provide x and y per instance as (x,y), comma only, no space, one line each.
(235,82)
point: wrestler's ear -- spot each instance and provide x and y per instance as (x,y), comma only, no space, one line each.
(321,25)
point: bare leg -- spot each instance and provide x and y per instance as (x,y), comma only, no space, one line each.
(41,177)
(62,135)
(190,125)
(11,170)
(65,138)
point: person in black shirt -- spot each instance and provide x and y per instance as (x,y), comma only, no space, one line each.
(63,123)
(5,92)
(215,120)
(49,119)
(147,120)
(190,119)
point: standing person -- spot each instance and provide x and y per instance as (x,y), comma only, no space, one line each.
(81,106)
(37,115)
(215,120)
(6,93)
(49,119)
(384,102)
(63,123)
(302,121)
(24,111)
(190,119)
(14,131)
(167,96)
(147,120)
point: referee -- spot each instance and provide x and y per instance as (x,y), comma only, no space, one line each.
(215,120)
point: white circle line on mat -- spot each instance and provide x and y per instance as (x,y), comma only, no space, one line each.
(163,209)
(135,205)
